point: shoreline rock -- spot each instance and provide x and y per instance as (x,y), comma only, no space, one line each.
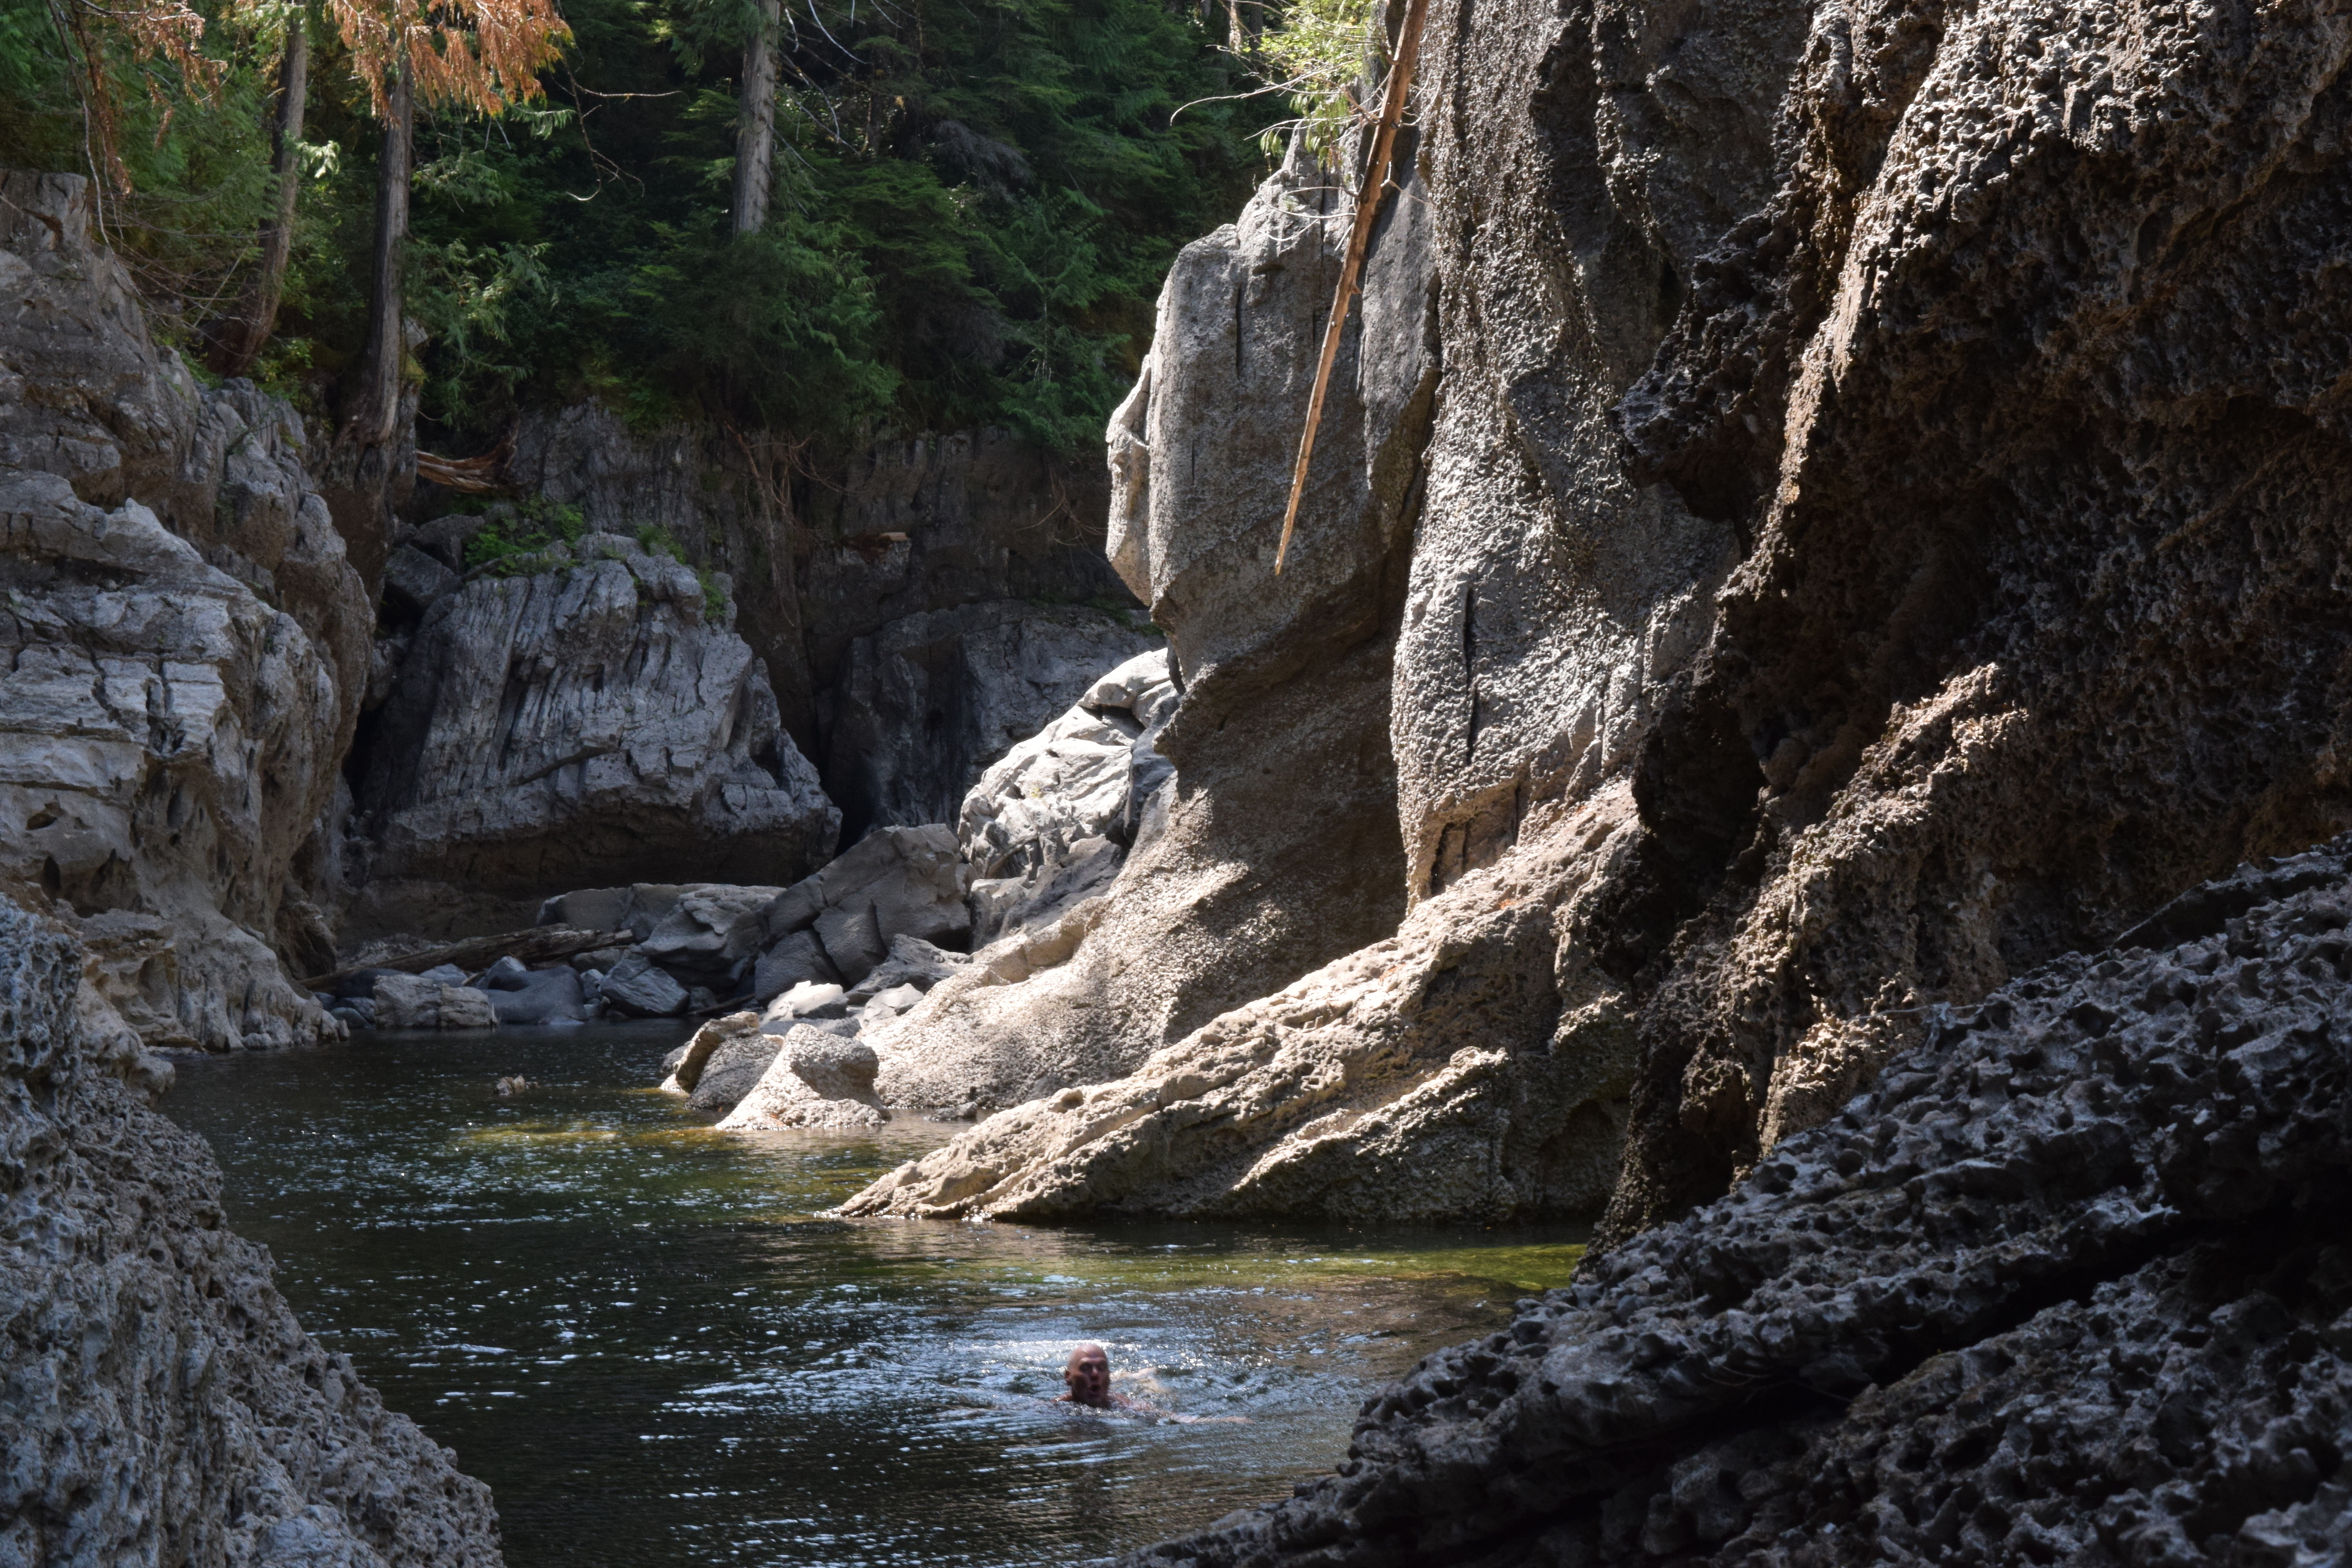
(2079,1250)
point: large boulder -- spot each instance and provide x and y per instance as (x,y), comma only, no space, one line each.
(816,1080)
(598,718)
(837,925)
(2069,1285)
(718,1066)
(430,1002)
(184,656)
(162,1404)
(1051,820)
(522,995)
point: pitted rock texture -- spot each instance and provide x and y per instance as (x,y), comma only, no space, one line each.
(2069,1285)
(182,657)
(2041,616)
(593,721)
(161,1403)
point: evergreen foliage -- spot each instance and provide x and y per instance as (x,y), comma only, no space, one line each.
(975,201)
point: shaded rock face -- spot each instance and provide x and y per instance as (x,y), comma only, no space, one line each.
(922,706)
(184,656)
(1853,455)
(940,598)
(2069,1284)
(162,1404)
(594,720)
(2042,617)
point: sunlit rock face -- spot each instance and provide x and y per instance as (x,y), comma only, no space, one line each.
(1859,545)
(182,658)
(161,1402)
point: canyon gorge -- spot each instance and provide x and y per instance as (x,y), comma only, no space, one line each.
(1804,726)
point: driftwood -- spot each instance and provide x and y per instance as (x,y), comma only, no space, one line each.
(1367,208)
(470,476)
(535,945)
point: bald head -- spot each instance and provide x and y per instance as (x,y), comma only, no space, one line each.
(1086,1375)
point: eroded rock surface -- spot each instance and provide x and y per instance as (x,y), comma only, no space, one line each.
(1051,820)
(1274,851)
(595,721)
(182,658)
(2069,1285)
(161,1402)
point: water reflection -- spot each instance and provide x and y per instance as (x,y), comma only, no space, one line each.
(644,1336)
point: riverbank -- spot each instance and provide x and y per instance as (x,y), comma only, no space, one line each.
(642,1335)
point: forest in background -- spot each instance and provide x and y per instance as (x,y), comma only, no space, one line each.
(971,208)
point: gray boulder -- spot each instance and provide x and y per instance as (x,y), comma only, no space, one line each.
(551,995)
(423,1002)
(711,935)
(721,1063)
(817,1081)
(732,1071)
(601,715)
(636,987)
(895,881)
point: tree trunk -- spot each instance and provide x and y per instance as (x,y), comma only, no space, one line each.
(755,135)
(374,401)
(248,333)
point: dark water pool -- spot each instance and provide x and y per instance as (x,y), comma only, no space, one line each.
(639,1333)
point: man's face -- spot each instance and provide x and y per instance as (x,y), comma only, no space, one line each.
(1089,1377)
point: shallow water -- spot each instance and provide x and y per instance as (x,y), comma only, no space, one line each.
(639,1333)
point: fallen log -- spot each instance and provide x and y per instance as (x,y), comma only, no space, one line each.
(533,946)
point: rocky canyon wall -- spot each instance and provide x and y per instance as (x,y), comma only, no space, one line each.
(1873,529)
(160,1405)
(920,605)
(183,654)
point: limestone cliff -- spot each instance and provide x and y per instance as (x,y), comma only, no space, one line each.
(182,657)
(160,1403)
(597,720)
(1871,528)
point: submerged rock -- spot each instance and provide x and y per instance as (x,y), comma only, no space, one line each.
(161,1402)
(2079,1251)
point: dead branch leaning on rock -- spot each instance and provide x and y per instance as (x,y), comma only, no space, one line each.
(1368,209)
